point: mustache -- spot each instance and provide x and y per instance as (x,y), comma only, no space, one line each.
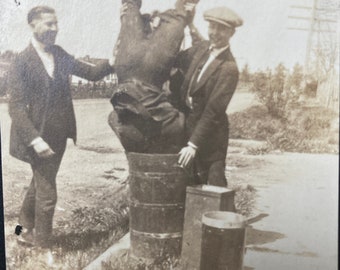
(51,33)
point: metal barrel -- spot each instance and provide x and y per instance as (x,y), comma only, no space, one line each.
(157,199)
(223,241)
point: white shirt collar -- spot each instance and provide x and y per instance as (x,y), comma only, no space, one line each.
(216,52)
(46,58)
(40,47)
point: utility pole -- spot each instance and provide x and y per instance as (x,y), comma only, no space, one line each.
(321,22)
(310,35)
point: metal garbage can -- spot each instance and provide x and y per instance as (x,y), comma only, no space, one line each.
(223,241)
(157,199)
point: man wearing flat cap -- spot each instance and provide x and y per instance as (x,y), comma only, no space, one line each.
(210,79)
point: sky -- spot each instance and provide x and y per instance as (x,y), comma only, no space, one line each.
(91,27)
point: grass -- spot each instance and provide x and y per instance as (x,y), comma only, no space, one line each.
(304,130)
(80,236)
(77,245)
(23,258)
(78,241)
(123,262)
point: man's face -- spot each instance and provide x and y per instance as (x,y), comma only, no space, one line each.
(45,28)
(219,34)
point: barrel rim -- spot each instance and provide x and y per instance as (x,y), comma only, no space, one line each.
(224,220)
(150,154)
(169,235)
(147,175)
(166,205)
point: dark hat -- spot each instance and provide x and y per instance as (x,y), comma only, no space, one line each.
(223,16)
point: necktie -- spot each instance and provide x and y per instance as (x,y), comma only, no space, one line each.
(198,70)
(194,77)
(48,49)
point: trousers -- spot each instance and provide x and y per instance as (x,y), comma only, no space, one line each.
(38,207)
(212,173)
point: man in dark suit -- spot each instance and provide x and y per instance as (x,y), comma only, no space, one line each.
(43,118)
(143,118)
(211,76)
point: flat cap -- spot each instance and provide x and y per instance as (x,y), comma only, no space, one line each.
(224,16)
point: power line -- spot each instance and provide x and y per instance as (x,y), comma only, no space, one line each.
(306,29)
(308,19)
(318,27)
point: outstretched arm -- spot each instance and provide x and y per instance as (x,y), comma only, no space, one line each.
(91,72)
(83,69)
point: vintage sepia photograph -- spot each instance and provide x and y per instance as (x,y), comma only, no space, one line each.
(169,134)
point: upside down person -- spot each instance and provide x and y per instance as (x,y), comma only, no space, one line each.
(143,118)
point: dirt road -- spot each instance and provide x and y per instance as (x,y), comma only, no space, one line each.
(299,193)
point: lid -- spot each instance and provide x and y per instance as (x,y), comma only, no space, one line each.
(223,220)
(208,190)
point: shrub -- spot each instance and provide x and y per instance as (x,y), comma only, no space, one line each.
(254,123)
(278,91)
(282,120)
(305,129)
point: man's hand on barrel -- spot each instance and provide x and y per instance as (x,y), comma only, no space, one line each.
(187,154)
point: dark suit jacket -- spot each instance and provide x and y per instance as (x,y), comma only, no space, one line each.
(30,95)
(207,122)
